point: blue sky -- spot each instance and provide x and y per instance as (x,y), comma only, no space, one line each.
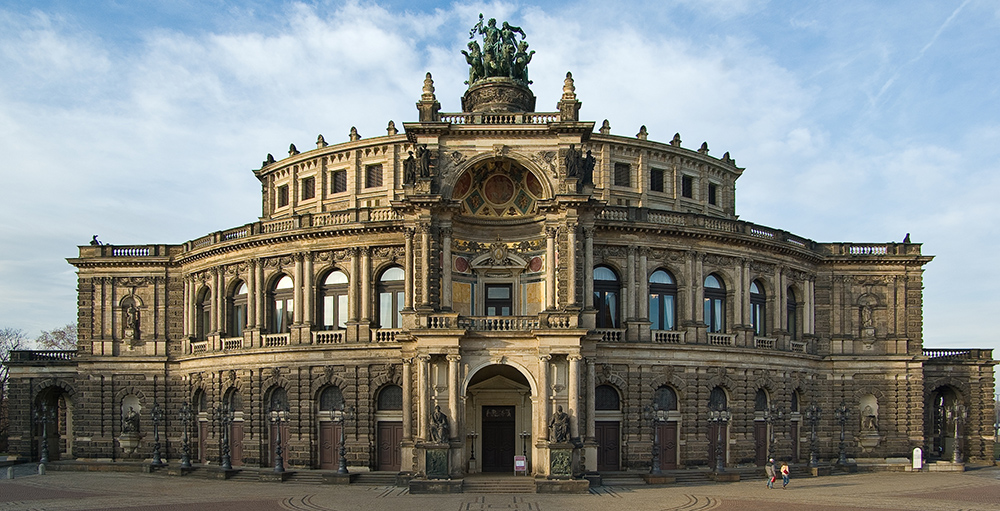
(856,121)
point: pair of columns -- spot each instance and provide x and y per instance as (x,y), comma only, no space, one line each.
(423,367)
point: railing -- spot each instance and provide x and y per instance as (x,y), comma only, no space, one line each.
(500,118)
(659,217)
(276,340)
(203,241)
(329,337)
(383,215)
(764,343)
(957,353)
(868,250)
(199,347)
(325,219)
(614,214)
(143,251)
(232,343)
(42,355)
(442,321)
(721,339)
(799,346)
(278,226)
(237,233)
(385,334)
(668,336)
(611,334)
(559,321)
(499,323)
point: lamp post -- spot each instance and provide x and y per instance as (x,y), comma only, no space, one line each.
(655,416)
(185,415)
(842,414)
(772,414)
(959,413)
(524,444)
(43,414)
(343,415)
(157,415)
(719,418)
(473,435)
(225,417)
(813,414)
(277,417)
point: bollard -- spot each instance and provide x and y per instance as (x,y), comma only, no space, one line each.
(41,469)
(10,472)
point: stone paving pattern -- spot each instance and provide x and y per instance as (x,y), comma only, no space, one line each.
(79,491)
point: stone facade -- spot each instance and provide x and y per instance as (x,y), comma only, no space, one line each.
(502,265)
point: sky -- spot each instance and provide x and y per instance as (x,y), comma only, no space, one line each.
(142,121)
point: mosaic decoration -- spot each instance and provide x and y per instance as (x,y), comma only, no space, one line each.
(500,188)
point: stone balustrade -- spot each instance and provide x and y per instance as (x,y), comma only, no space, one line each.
(499,323)
(275,340)
(329,337)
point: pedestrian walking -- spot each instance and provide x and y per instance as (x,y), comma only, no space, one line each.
(769,471)
(784,475)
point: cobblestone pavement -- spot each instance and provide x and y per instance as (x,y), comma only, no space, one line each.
(971,491)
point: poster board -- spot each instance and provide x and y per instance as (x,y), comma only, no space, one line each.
(520,464)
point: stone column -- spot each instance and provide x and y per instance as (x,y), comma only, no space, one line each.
(259,298)
(574,395)
(446,268)
(588,266)
(408,282)
(425,264)
(571,263)
(698,280)
(629,296)
(543,396)
(453,386)
(407,399)
(354,304)
(550,267)
(423,399)
(591,404)
(251,294)
(297,294)
(643,281)
(308,311)
(187,304)
(366,285)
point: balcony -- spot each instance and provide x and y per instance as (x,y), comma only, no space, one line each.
(958,354)
(232,343)
(499,323)
(668,336)
(46,357)
(765,343)
(275,340)
(611,334)
(385,334)
(722,339)
(329,337)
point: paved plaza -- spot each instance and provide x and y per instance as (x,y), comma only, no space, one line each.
(975,490)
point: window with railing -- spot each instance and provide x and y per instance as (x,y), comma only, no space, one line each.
(333,310)
(390,298)
(203,314)
(606,292)
(282,305)
(237,305)
(715,304)
(758,308)
(662,301)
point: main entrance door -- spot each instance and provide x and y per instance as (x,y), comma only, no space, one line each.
(389,438)
(608,445)
(329,444)
(498,439)
(760,442)
(668,445)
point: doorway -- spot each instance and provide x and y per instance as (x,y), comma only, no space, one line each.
(609,445)
(498,439)
(389,438)
(760,442)
(668,445)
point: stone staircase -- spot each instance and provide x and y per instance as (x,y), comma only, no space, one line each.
(510,484)
(622,479)
(375,478)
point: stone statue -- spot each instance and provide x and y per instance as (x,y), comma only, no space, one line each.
(869,421)
(559,426)
(586,171)
(573,161)
(439,426)
(866,316)
(423,161)
(501,55)
(132,318)
(410,170)
(130,422)
(94,242)
(475,60)
(519,67)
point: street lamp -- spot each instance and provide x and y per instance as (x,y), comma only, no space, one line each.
(719,418)
(813,414)
(185,415)
(655,416)
(43,414)
(157,415)
(772,414)
(959,413)
(524,444)
(473,435)
(277,417)
(842,415)
(343,415)
(225,416)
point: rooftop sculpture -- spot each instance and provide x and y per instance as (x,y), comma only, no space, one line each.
(501,54)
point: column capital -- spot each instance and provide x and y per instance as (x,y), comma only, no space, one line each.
(454,358)
(445,232)
(588,232)
(551,232)
(408,233)
(573,357)
(424,358)
(544,358)
(408,361)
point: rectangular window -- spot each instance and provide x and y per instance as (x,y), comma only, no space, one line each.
(335,312)
(282,196)
(656,180)
(373,175)
(499,300)
(339,181)
(712,191)
(623,174)
(308,187)
(687,186)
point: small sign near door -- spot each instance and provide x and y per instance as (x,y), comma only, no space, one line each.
(520,465)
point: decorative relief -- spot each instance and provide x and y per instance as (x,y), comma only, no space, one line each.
(231,376)
(329,372)
(761,268)
(607,251)
(658,254)
(720,261)
(133,281)
(279,262)
(547,160)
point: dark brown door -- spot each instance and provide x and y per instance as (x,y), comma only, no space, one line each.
(390,436)
(284,443)
(713,437)
(668,445)
(760,442)
(203,441)
(498,439)
(236,444)
(795,441)
(608,445)
(329,444)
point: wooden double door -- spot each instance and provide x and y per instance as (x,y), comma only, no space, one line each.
(389,436)
(608,434)
(329,445)
(499,445)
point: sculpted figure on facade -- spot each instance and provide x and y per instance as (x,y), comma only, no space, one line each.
(559,426)
(439,426)
(501,54)
(130,422)
(410,170)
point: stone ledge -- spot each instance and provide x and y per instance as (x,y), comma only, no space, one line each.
(338,478)
(725,477)
(220,473)
(660,479)
(562,486)
(274,477)
(428,486)
(943,466)
(179,471)
(819,471)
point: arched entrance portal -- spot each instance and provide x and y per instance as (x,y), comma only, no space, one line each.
(943,412)
(498,406)
(53,424)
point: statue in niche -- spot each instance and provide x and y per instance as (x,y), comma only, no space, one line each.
(559,426)
(131,321)
(410,170)
(869,422)
(573,161)
(866,316)
(130,422)
(423,161)
(586,171)
(439,426)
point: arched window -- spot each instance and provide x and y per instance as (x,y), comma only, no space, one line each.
(662,301)
(717,400)
(390,298)
(203,314)
(795,401)
(233,400)
(282,305)
(331,399)
(758,308)
(238,310)
(333,300)
(715,304)
(665,398)
(390,398)
(760,401)
(278,400)
(200,401)
(606,289)
(793,315)
(606,398)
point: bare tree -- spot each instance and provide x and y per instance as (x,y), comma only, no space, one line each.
(58,339)
(10,339)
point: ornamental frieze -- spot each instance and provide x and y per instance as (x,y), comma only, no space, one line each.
(134,281)
(658,254)
(279,262)
(721,261)
(762,268)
